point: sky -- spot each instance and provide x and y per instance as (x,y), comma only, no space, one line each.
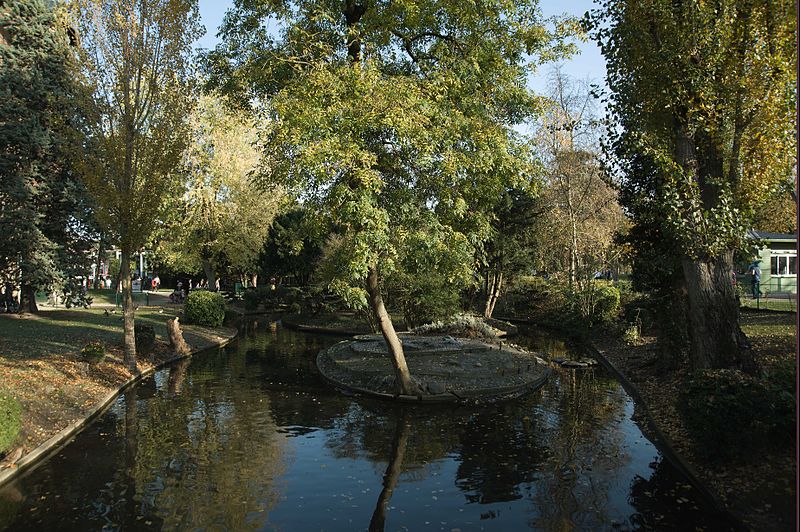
(587,65)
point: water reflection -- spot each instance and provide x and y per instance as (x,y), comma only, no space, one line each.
(249,437)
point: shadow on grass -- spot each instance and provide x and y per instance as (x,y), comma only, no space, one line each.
(60,332)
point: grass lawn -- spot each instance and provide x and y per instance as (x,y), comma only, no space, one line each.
(41,366)
(770,304)
(109,297)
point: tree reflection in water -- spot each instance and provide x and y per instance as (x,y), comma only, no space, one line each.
(392,475)
(250,437)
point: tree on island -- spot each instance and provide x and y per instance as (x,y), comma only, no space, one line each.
(702,100)
(135,58)
(382,115)
(44,217)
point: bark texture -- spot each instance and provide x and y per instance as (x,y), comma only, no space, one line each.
(494,284)
(403,384)
(128,311)
(716,338)
(27,300)
(176,341)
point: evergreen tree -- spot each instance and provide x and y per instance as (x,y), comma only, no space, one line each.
(44,217)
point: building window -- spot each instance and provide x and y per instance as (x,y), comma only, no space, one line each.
(783,265)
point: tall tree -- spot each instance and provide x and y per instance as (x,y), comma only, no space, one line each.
(223,220)
(381,112)
(136,64)
(582,211)
(705,93)
(511,246)
(42,208)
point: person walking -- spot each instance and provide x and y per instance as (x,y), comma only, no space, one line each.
(755,272)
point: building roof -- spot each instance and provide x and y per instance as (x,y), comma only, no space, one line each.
(763,235)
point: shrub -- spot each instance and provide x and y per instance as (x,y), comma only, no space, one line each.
(730,414)
(10,422)
(145,337)
(596,303)
(205,308)
(252,299)
(93,353)
(607,305)
(460,325)
(780,382)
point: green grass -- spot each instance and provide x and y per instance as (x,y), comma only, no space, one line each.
(9,422)
(770,304)
(67,331)
(773,336)
(104,297)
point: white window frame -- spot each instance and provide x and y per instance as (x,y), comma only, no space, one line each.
(782,260)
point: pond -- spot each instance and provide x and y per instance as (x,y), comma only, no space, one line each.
(250,437)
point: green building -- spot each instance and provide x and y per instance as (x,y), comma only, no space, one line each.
(778,257)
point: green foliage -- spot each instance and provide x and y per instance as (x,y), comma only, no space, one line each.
(534,296)
(293,247)
(145,338)
(221,221)
(93,352)
(44,220)
(205,308)
(10,422)
(731,414)
(74,296)
(252,299)
(408,117)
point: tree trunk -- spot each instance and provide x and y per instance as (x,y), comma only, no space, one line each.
(27,300)
(392,474)
(127,310)
(403,384)
(254,280)
(716,338)
(211,274)
(176,341)
(99,259)
(493,293)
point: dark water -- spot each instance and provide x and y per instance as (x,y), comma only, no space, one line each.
(249,437)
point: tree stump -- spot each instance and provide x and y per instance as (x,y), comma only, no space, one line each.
(176,341)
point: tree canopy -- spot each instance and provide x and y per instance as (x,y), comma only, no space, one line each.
(702,102)
(135,59)
(44,218)
(384,114)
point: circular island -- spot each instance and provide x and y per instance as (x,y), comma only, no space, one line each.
(444,368)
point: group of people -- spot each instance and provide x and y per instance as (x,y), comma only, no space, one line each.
(179,294)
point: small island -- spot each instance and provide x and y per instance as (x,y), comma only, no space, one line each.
(444,368)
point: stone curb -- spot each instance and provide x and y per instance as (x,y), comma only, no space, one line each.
(489,395)
(663,444)
(63,437)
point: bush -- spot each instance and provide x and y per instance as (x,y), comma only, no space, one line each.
(10,422)
(730,414)
(93,353)
(607,305)
(205,308)
(252,299)
(145,338)
(596,303)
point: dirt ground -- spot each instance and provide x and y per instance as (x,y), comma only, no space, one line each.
(41,366)
(762,492)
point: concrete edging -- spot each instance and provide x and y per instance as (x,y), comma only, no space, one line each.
(487,396)
(664,445)
(63,437)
